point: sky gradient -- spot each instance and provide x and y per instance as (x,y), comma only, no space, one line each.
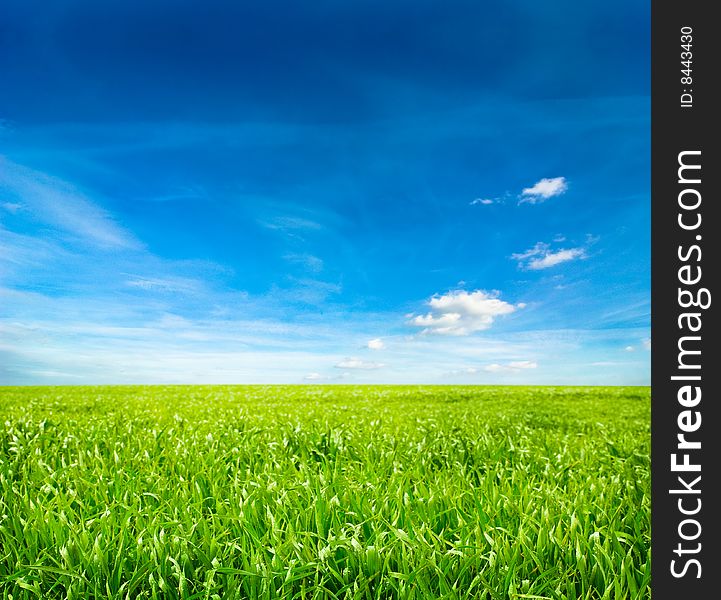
(405,192)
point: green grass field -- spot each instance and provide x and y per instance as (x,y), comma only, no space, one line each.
(222,492)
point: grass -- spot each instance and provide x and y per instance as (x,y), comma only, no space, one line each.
(299,492)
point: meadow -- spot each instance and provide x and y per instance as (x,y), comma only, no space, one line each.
(339,492)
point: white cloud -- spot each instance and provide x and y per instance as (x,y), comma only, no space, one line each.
(541,256)
(543,190)
(314,377)
(357,363)
(484,201)
(445,323)
(629,349)
(376,344)
(511,367)
(551,259)
(462,313)
(646,343)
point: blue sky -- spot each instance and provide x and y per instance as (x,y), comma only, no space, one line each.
(329,192)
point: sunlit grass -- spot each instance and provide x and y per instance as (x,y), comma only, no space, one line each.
(223,492)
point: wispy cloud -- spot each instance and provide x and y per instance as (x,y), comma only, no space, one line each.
(541,256)
(22,252)
(11,207)
(304,290)
(307,261)
(551,259)
(291,223)
(460,313)
(482,201)
(543,190)
(57,203)
(539,249)
(165,284)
